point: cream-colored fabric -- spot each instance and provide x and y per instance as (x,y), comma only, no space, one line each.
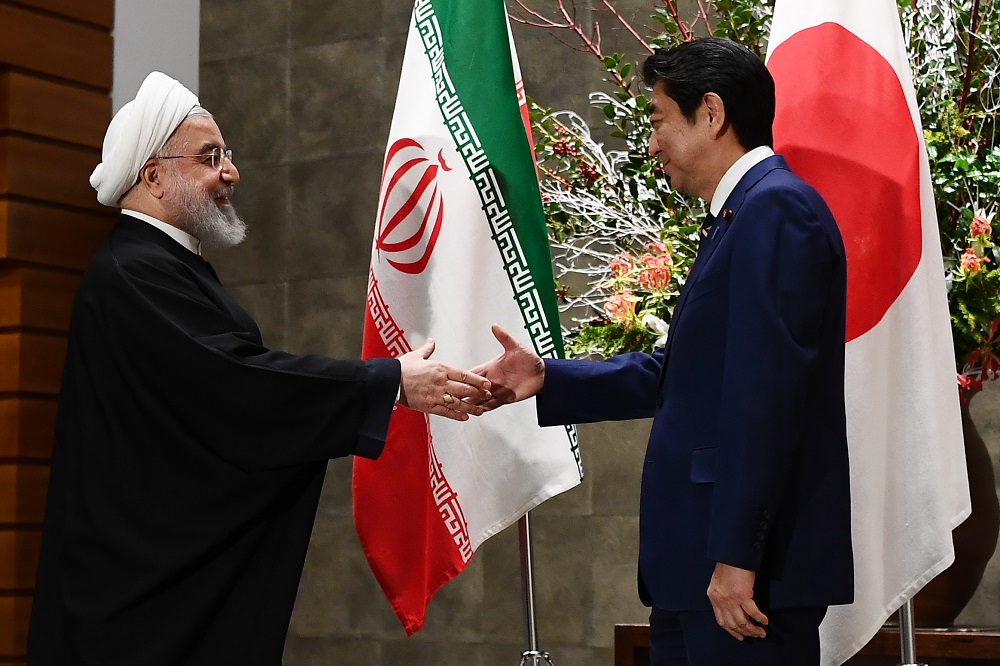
(138,130)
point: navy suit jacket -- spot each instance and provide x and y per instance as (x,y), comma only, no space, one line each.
(747,458)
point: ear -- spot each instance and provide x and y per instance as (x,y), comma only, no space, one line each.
(715,111)
(151,177)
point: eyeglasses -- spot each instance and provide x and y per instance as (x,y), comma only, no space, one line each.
(217,157)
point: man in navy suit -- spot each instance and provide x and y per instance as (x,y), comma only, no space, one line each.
(745,535)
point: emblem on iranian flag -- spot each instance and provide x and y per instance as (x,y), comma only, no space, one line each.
(411,209)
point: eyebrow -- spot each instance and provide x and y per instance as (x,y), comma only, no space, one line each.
(209,146)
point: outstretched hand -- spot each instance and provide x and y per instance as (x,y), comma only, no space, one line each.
(516,374)
(438,388)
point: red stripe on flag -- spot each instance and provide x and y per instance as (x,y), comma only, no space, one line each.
(843,125)
(398,512)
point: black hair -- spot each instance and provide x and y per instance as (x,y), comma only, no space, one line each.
(731,71)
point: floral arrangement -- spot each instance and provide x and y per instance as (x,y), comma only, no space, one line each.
(956,67)
(623,240)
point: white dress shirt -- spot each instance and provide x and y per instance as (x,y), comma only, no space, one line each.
(732,176)
(179,235)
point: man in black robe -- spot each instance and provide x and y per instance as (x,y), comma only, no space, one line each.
(189,458)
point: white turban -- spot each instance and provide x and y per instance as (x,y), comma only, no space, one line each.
(137,132)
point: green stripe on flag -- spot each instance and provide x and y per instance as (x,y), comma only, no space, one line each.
(478,63)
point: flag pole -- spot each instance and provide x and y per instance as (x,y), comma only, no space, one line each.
(531,656)
(907,636)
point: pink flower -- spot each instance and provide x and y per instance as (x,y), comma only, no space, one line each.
(653,279)
(656,261)
(657,247)
(621,307)
(622,265)
(971,263)
(980,226)
(967,385)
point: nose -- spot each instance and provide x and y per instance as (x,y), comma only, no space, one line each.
(654,147)
(229,172)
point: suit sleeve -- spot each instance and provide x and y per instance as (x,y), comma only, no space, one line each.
(620,388)
(782,273)
(216,383)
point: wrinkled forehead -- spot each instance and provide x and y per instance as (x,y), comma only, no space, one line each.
(197,134)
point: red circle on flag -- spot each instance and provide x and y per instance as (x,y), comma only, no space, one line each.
(843,125)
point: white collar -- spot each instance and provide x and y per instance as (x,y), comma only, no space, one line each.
(179,235)
(732,176)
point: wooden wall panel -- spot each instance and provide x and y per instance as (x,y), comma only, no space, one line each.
(14,613)
(55,80)
(22,493)
(19,558)
(56,236)
(50,45)
(27,426)
(32,362)
(39,169)
(36,298)
(37,106)
(99,12)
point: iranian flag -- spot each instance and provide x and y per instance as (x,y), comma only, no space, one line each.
(460,243)
(847,122)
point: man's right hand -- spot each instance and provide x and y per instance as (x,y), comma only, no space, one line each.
(731,594)
(438,388)
(516,374)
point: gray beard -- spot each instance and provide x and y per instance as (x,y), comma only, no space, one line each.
(215,226)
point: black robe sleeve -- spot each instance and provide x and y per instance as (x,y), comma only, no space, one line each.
(204,366)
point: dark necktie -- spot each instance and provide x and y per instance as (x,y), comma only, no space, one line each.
(707,229)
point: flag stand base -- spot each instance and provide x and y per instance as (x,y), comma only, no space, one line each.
(535,658)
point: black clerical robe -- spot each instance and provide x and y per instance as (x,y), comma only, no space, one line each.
(187,467)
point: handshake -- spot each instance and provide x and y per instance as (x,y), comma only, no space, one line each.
(437,388)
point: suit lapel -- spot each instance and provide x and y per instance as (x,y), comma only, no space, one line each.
(726,219)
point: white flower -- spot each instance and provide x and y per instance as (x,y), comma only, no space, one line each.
(655,323)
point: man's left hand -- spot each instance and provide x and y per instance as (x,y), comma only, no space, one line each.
(731,594)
